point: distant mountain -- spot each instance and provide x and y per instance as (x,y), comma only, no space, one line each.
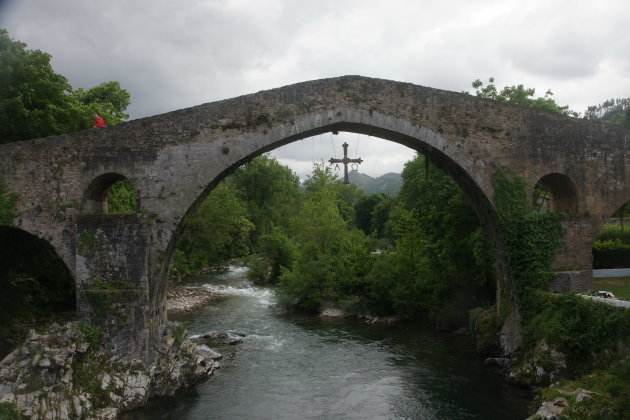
(389,183)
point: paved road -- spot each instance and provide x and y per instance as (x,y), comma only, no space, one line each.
(611,272)
(620,303)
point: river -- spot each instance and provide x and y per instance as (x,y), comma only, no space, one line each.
(300,367)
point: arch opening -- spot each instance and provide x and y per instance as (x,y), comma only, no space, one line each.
(439,160)
(611,249)
(111,193)
(555,192)
(37,286)
(611,254)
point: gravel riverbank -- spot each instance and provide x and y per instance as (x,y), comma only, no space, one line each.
(188,298)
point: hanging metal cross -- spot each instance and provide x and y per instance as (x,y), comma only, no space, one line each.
(345,162)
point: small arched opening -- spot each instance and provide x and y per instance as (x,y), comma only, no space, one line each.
(111,193)
(556,192)
(37,287)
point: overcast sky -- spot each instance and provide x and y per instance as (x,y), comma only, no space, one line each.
(174,54)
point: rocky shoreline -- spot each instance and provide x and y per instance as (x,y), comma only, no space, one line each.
(65,372)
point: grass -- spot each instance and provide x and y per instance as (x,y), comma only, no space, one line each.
(620,286)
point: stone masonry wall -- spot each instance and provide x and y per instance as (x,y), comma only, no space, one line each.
(175,159)
(111,273)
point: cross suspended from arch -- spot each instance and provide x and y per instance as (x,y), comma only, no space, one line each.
(345,162)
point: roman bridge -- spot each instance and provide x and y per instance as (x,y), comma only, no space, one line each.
(120,262)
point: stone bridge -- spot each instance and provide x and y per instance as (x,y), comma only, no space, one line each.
(120,262)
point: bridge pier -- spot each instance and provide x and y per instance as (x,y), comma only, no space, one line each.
(112,281)
(574,260)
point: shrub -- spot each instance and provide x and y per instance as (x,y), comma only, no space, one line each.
(580,328)
(611,254)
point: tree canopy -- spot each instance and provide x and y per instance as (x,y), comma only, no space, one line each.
(37,102)
(520,96)
(614,111)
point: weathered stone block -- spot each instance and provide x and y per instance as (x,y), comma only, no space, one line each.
(567,281)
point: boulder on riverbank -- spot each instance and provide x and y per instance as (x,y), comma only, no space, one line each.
(64,373)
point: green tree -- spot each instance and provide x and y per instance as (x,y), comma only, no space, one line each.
(218,230)
(613,111)
(621,213)
(34,100)
(327,267)
(279,253)
(441,250)
(108,100)
(364,210)
(520,96)
(271,191)
(121,198)
(37,102)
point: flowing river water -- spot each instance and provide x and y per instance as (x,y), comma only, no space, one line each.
(299,367)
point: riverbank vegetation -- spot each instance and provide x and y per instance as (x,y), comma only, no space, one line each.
(421,254)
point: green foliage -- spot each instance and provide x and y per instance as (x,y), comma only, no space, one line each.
(121,198)
(613,111)
(364,211)
(582,329)
(258,270)
(520,96)
(531,238)
(92,334)
(380,216)
(8,411)
(484,327)
(611,254)
(101,302)
(179,333)
(614,232)
(86,376)
(609,396)
(270,190)
(279,252)
(217,231)
(329,265)
(438,238)
(108,100)
(37,102)
(8,202)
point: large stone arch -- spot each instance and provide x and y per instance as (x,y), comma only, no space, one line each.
(27,254)
(174,157)
(475,184)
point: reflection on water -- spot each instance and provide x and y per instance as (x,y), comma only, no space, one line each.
(293,367)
